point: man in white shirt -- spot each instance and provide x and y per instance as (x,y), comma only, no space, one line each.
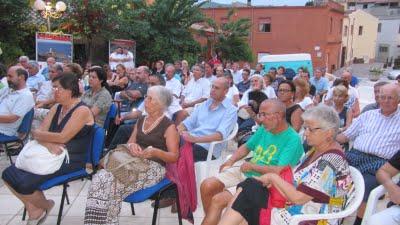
(197,90)
(175,86)
(45,71)
(209,73)
(236,73)
(16,103)
(128,61)
(45,94)
(23,61)
(35,78)
(376,137)
(116,58)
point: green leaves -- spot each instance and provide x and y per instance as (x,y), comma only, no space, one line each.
(13,18)
(231,38)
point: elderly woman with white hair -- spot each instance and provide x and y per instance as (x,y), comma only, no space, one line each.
(153,143)
(251,99)
(321,181)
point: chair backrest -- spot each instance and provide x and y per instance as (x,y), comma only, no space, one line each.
(96,146)
(112,113)
(26,124)
(358,190)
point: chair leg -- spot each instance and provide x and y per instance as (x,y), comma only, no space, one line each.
(8,153)
(133,209)
(11,162)
(66,195)
(24,214)
(178,206)
(62,204)
(156,204)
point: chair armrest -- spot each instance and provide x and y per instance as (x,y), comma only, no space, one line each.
(374,198)
(230,137)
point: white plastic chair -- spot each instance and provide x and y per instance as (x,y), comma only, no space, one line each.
(203,168)
(373,200)
(351,207)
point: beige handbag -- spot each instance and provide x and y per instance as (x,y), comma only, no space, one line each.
(124,166)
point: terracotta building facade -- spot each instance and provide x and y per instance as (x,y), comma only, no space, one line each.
(316,30)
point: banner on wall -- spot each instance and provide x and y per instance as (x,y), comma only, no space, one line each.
(59,46)
(128,55)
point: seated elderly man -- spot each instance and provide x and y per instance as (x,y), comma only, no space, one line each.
(197,90)
(376,137)
(274,145)
(211,121)
(135,93)
(16,103)
(320,83)
(375,105)
(44,96)
(35,78)
(391,215)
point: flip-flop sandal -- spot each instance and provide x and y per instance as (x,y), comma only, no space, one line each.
(36,221)
(46,214)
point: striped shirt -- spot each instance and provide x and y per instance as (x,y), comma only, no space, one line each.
(376,134)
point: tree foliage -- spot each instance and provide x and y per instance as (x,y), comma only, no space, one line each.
(161,30)
(14,30)
(166,34)
(231,38)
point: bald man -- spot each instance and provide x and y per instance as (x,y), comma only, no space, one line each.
(376,137)
(275,145)
(212,120)
(45,71)
(16,103)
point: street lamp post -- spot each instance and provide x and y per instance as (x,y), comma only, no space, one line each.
(48,11)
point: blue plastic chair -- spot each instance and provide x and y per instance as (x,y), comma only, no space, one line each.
(112,114)
(154,192)
(93,157)
(23,130)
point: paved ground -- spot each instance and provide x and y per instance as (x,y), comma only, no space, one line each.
(11,208)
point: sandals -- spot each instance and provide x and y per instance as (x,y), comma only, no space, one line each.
(42,218)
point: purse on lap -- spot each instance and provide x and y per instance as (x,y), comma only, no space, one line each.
(37,159)
(124,167)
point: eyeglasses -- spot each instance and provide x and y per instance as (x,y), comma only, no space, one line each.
(312,130)
(388,98)
(284,90)
(265,114)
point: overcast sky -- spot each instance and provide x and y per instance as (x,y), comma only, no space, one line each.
(267,2)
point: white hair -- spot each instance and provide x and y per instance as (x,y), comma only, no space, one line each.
(163,95)
(23,58)
(326,116)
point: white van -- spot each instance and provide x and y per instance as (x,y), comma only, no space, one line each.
(289,61)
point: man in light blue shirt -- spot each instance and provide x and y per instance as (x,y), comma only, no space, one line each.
(212,120)
(35,79)
(45,71)
(321,83)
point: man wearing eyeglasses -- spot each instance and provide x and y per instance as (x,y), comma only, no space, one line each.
(376,137)
(274,145)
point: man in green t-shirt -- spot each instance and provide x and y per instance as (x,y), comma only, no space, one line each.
(274,145)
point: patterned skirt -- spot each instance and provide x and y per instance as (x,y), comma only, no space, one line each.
(106,193)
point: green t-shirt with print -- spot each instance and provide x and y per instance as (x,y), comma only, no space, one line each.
(282,149)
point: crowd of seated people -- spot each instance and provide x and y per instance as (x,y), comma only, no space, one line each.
(296,127)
